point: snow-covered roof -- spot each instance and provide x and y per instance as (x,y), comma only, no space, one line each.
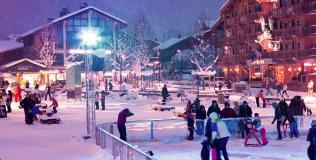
(7,45)
(19,61)
(71,14)
(168,43)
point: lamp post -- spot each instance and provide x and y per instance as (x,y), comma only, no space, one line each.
(89,39)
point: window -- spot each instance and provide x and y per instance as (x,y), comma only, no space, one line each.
(77,22)
(285,25)
(292,2)
(281,46)
(275,25)
(293,23)
(293,45)
(298,45)
(298,23)
(280,25)
(258,8)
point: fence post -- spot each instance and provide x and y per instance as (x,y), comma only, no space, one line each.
(152,130)
(111,129)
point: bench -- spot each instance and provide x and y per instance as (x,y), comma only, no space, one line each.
(149,94)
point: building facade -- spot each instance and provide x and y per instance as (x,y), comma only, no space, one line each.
(269,39)
(65,36)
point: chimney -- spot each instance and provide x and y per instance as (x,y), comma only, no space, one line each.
(179,35)
(49,19)
(63,12)
(83,5)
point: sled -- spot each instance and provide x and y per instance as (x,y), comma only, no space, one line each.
(45,119)
(252,133)
(162,108)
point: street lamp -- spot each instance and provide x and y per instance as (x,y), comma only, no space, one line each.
(89,39)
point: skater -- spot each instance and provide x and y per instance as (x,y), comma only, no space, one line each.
(213,108)
(97,100)
(293,127)
(236,107)
(17,93)
(121,120)
(205,152)
(27,103)
(200,117)
(103,100)
(284,92)
(279,88)
(164,94)
(110,86)
(279,118)
(244,112)
(311,137)
(36,89)
(3,99)
(48,92)
(260,95)
(268,88)
(217,133)
(196,104)
(310,88)
(54,104)
(27,84)
(258,128)
(228,112)
(9,101)
(190,124)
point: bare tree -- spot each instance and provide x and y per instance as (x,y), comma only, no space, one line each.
(203,55)
(121,51)
(140,54)
(45,45)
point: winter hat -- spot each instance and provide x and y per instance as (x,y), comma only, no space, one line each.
(274,104)
(313,124)
(214,116)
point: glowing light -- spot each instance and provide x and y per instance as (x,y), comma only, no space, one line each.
(315,68)
(289,69)
(89,37)
(299,69)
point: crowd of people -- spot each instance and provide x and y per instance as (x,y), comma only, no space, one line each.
(285,114)
(28,103)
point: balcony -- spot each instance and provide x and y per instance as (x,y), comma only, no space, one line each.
(310,30)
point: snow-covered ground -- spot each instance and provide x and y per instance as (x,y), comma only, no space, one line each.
(64,140)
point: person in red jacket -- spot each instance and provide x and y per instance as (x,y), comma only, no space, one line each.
(54,104)
(228,112)
(260,95)
(121,120)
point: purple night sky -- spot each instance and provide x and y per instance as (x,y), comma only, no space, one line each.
(164,16)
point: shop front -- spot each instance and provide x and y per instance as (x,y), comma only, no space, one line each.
(28,70)
(260,70)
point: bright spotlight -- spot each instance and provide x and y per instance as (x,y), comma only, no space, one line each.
(89,37)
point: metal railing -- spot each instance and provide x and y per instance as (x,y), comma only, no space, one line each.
(176,129)
(117,148)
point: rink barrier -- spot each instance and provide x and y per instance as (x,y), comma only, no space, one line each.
(117,148)
(177,124)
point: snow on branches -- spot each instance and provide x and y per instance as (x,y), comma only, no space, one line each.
(45,45)
(120,49)
(203,55)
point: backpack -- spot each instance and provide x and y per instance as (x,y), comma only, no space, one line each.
(3,112)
